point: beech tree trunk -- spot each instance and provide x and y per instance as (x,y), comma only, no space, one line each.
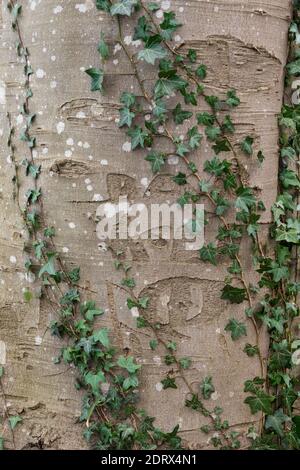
(85,160)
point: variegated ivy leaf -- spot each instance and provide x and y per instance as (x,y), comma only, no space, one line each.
(123,7)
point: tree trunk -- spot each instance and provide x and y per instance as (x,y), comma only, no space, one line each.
(85,161)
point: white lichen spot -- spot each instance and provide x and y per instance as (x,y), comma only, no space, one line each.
(38,340)
(58,9)
(72,225)
(65,249)
(159,14)
(2,353)
(89,187)
(159,386)
(60,127)
(80,115)
(53,84)
(215,396)
(173,160)
(2,92)
(13,259)
(68,153)
(126,147)
(97,197)
(135,312)
(104,162)
(70,141)
(145,182)
(40,73)
(218,331)
(165,4)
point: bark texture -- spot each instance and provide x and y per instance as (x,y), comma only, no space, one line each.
(84,160)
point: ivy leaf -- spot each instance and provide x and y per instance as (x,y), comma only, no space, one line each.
(153,50)
(185,362)
(103,48)
(33,195)
(260,402)
(157,161)
(213,133)
(138,137)
(201,71)
(14,421)
(153,343)
(289,179)
(209,253)
(103,5)
(180,179)
(235,295)
(207,388)
(49,267)
(123,7)
(206,119)
(246,145)
(126,117)
(128,364)
(94,379)
(192,55)
(92,313)
(128,99)
(232,99)
(142,30)
(169,25)
(260,157)
(245,199)
(276,421)
(179,115)
(250,350)
(236,328)
(168,383)
(97,76)
(101,336)
(130,382)
(194,137)
(227,125)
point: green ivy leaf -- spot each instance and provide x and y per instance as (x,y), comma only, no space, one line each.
(169,25)
(235,295)
(209,253)
(157,161)
(250,350)
(168,383)
(14,421)
(126,117)
(179,115)
(232,99)
(261,402)
(123,7)
(103,48)
(276,421)
(246,145)
(49,267)
(138,137)
(103,5)
(245,199)
(97,76)
(236,328)
(94,380)
(153,50)
(194,137)
(201,71)
(128,364)
(207,388)
(180,179)
(101,336)
(185,362)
